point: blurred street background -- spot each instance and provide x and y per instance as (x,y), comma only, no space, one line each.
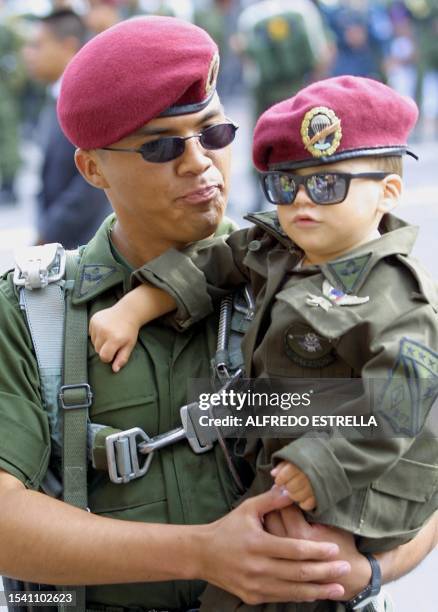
(269,50)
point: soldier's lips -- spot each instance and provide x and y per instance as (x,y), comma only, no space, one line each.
(199,196)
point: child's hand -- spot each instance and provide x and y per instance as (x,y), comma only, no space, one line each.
(113,335)
(297,484)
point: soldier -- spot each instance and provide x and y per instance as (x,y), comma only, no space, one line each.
(125,548)
(172,204)
(326,260)
(9,118)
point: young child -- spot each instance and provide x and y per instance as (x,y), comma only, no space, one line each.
(337,296)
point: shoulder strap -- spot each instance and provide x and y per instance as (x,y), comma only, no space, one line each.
(75,398)
(75,394)
(45,276)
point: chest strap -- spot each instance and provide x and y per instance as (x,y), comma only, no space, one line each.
(127,455)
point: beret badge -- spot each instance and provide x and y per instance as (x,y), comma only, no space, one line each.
(213,71)
(321,131)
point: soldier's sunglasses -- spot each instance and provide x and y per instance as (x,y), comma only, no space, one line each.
(324,188)
(168,148)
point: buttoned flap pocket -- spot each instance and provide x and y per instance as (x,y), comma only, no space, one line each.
(401,500)
(332,323)
(307,337)
(126,399)
(411,479)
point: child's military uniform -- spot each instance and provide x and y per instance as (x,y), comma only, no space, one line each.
(370,314)
(384,489)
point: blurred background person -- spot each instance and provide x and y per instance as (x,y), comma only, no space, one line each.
(360,30)
(101,15)
(427,28)
(219,18)
(402,58)
(284,45)
(68,209)
(10,83)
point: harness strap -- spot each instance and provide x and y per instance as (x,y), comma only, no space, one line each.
(75,398)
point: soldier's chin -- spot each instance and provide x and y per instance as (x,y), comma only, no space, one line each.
(207,222)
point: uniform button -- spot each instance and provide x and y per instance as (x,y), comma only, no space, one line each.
(254,245)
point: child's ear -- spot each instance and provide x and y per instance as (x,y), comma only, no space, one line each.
(392,186)
(87,162)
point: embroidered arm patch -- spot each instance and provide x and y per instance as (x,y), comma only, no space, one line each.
(411,389)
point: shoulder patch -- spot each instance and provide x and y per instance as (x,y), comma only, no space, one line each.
(411,389)
(349,272)
(93,275)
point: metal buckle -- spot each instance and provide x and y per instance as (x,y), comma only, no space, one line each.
(122,448)
(122,456)
(190,432)
(249,308)
(37,266)
(85,404)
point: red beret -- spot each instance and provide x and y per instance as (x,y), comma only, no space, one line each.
(137,70)
(332,120)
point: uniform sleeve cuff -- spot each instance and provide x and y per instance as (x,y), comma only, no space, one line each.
(314,457)
(175,273)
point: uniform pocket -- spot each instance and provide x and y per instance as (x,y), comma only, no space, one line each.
(401,500)
(302,340)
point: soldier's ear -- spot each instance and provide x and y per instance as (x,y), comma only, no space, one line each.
(392,186)
(88,164)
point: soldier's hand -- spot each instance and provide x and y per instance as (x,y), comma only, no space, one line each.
(113,334)
(296,483)
(291,523)
(238,555)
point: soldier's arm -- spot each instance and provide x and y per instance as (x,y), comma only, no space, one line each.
(45,540)
(402,560)
(394,563)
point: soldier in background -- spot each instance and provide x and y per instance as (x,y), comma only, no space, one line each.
(9,115)
(285,45)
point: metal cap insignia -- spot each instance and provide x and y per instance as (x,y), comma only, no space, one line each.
(321,131)
(210,83)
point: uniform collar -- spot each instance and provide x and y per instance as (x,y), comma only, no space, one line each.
(349,272)
(98,270)
(103,267)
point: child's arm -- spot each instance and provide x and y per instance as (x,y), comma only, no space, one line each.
(114,330)
(297,484)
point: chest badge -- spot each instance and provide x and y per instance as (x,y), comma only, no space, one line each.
(307,348)
(334,297)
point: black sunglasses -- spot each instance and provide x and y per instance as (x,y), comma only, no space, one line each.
(324,188)
(166,149)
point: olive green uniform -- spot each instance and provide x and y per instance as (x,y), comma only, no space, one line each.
(382,490)
(180,487)
(9,117)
